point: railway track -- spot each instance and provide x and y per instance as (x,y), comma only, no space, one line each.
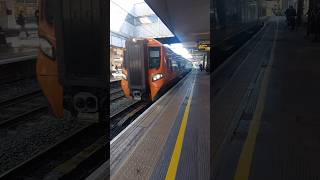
(14,69)
(78,154)
(74,157)
(20,98)
(120,119)
(123,110)
(116,95)
(21,108)
(115,85)
(116,92)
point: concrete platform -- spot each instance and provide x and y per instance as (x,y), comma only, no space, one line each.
(7,54)
(274,132)
(171,139)
(17,59)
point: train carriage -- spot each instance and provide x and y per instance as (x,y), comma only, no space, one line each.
(150,68)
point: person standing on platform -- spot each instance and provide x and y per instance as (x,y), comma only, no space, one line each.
(36,14)
(201,67)
(21,20)
(311,21)
(3,41)
(291,14)
(117,69)
(317,22)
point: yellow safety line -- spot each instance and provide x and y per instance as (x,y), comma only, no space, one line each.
(245,160)
(172,170)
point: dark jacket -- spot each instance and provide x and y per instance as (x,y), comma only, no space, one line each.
(21,20)
(291,12)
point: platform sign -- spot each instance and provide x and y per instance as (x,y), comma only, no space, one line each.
(204,45)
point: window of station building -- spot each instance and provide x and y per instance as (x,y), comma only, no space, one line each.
(154,57)
(130,19)
(142,20)
(116,57)
(28,9)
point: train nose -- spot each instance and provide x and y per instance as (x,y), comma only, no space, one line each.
(85,102)
(91,103)
(80,103)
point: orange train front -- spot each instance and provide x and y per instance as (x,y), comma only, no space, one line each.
(150,68)
(47,65)
(72,60)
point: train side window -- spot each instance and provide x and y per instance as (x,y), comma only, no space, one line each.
(168,62)
(175,66)
(124,62)
(154,57)
(168,58)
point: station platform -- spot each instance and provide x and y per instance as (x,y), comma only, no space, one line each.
(18,46)
(171,139)
(266,115)
(8,55)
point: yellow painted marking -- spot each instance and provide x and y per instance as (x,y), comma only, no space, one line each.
(172,170)
(245,160)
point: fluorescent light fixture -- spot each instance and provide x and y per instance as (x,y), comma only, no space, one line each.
(145,20)
(179,49)
(118,11)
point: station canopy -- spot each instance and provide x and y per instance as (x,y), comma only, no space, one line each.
(135,19)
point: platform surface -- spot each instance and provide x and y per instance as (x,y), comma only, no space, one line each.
(145,149)
(276,132)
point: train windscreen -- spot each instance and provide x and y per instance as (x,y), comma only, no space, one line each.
(154,57)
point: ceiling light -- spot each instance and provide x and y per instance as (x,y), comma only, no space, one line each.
(145,20)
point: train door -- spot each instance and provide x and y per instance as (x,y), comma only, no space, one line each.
(136,63)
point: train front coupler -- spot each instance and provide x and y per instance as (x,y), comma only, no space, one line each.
(86,105)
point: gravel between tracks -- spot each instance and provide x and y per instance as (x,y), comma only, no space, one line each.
(27,139)
(120,104)
(11,90)
(15,109)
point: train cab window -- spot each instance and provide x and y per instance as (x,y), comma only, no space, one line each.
(154,57)
(48,11)
(168,59)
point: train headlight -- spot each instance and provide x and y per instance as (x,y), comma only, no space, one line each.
(156,77)
(46,47)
